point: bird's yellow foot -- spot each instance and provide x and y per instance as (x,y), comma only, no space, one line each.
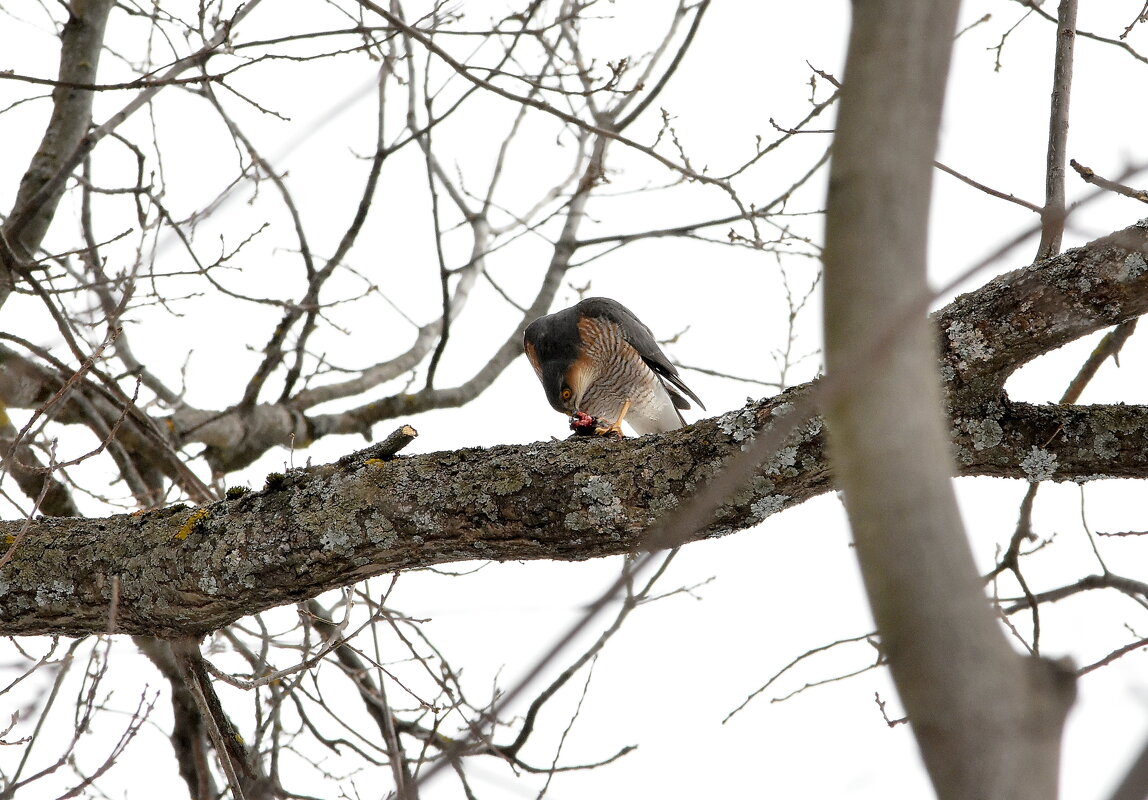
(585,425)
(614,429)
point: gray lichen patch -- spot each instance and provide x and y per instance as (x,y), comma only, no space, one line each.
(599,490)
(985,433)
(425,523)
(54,592)
(379,529)
(239,569)
(756,488)
(1105,444)
(1089,478)
(783,462)
(603,508)
(662,504)
(1039,464)
(1134,265)
(336,538)
(968,343)
(768,505)
(739,425)
(813,427)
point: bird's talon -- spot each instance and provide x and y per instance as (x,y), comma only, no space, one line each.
(614,429)
(613,432)
(585,425)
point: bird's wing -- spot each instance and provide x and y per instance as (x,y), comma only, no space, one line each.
(642,339)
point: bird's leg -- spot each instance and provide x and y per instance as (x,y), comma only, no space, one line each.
(615,428)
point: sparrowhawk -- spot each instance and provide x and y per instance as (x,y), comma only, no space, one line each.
(599,364)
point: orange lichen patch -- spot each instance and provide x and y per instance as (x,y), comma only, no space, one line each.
(193,520)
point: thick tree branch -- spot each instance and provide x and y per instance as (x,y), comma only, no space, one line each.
(33,477)
(188,736)
(988,721)
(988,334)
(185,571)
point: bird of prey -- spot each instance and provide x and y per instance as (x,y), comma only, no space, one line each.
(599,364)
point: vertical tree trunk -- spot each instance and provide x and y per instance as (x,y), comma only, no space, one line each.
(988,721)
(1052,215)
(82,40)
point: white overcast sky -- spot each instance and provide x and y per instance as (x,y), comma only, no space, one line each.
(685,662)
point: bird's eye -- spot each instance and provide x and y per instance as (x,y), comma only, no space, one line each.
(567,394)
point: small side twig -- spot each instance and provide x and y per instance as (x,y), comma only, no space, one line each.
(892,723)
(384,450)
(1088,175)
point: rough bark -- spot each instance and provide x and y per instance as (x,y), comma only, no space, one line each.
(988,721)
(184,571)
(988,334)
(323,527)
(320,528)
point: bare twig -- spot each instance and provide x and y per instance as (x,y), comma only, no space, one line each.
(1052,215)
(1090,176)
(986,189)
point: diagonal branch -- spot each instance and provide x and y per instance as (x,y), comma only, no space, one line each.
(82,40)
(38,206)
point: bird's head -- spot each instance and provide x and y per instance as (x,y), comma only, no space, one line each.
(552,346)
(560,381)
(559,392)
